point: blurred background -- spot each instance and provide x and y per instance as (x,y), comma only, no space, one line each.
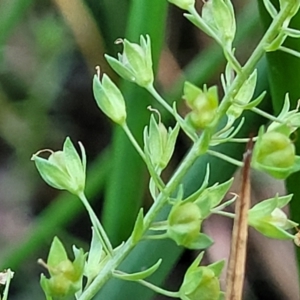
(48,54)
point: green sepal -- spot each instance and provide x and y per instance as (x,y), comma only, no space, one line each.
(51,173)
(75,165)
(208,16)
(266,207)
(138,227)
(224,19)
(44,282)
(139,275)
(288,120)
(135,63)
(63,170)
(200,282)
(211,197)
(254,102)
(57,255)
(268,218)
(119,68)
(274,154)
(159,143)
(202,241)
(184,223)
(243,96)
(96,258)
(109,99)
(217,267)
(271,231)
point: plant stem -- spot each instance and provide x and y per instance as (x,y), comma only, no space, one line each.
(265,115)
(123,251)
(134,142)
(162,199)
(158,289)
(225,157)
(158,181)
(159,98)
(223,213)
(97,225)
(257,54)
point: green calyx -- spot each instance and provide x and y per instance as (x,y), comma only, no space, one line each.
(276,150)
(268,218)
(202,282)
(109,99)
(63,170)
(159,142)
(65,276)
(135,63)
(274,153)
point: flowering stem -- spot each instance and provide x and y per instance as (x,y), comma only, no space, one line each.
(106,272)
(162,199)
(97,225)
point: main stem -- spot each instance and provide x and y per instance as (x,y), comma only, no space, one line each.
(121,254)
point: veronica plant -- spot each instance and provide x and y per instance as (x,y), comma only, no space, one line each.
(274,153)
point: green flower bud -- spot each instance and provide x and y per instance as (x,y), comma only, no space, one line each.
(65,276)
(60,286)
(276,150)
(159,142)
(219,15)
(184,223)
(268,218)
(201,282)
(204,105)
(135,63)
(63,170)
(183,4)
(243,97)
(109,99)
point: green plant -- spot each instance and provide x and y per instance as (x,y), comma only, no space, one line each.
(66,170)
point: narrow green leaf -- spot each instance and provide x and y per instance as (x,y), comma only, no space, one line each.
(138,227)
(139,275)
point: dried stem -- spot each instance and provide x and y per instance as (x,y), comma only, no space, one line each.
(236,266)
